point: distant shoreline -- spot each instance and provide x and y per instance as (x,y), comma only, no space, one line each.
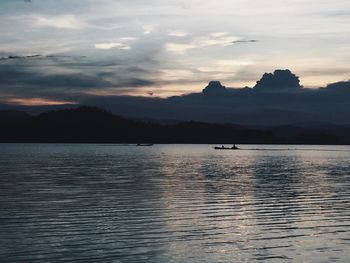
(135,144)
(91,125)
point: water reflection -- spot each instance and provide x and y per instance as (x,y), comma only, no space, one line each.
(173,203)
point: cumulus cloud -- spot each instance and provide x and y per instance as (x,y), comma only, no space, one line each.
(279,79)
(214,88)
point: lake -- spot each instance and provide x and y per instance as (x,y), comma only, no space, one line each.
(174,203)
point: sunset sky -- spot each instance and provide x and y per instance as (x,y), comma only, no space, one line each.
(56,51)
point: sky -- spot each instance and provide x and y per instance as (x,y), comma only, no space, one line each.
(58,51)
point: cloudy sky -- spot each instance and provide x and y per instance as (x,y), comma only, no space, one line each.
(57,51)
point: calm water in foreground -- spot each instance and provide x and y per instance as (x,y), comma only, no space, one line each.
(174,203)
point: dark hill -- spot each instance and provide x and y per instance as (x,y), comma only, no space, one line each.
(95,125)
(13,114)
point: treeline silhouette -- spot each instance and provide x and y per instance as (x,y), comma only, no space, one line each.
(95,125)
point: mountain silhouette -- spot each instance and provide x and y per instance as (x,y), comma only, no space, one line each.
(95,125)
(13,115)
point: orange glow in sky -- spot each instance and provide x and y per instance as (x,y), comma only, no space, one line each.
(36,102)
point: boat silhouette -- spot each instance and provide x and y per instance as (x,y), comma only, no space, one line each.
(234,147)
(145,144)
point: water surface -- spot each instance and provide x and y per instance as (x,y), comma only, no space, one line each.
(174,203)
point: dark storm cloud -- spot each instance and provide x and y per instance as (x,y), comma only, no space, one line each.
(62,76)
(37,80)
(279,79)
(214,88)
(19,57)
(16,75)
(84,63)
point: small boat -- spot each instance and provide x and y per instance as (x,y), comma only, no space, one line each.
(234,147)
(145,144)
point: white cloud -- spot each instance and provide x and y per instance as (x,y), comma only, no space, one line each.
(63,21)
(106,46)
(178,48)
(234,62)
(128,38)
(176,33)
(220,34)
(176,74)
(120,43)
(201,42)
(147,29)
(218,41)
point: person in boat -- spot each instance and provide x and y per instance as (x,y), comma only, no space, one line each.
(234,147)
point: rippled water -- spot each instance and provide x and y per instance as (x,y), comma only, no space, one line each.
(174,203)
